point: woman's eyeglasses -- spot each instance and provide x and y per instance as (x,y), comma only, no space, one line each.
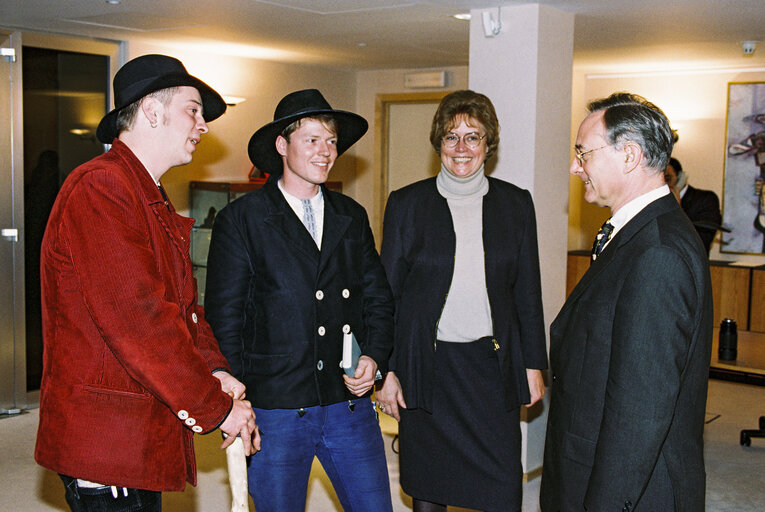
(471,140)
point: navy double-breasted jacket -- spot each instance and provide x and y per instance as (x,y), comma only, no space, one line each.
(278,306)
(418,254)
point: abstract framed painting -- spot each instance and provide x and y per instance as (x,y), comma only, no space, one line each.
(744,181)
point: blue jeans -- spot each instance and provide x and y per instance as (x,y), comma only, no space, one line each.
(101,499)
(347,441)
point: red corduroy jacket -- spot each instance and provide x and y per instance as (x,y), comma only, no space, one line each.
(128,357)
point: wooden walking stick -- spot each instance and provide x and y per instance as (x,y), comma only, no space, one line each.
(237,476)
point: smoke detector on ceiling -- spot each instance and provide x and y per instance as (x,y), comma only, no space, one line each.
(748,47)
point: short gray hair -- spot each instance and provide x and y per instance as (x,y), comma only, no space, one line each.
(631,118)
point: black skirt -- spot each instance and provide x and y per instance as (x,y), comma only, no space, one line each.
(467,452)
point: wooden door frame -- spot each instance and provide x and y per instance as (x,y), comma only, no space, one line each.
(382,104)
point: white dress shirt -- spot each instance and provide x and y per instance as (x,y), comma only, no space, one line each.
(317,203)
(629,210)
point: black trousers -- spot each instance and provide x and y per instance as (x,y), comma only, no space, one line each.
(102,499)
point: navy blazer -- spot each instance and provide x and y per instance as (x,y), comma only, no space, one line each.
(702,206)
(418,255)
(629,353)
(278,305)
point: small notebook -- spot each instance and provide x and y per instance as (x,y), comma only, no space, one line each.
(351,354)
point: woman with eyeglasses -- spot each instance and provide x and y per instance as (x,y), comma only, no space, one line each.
(460,252)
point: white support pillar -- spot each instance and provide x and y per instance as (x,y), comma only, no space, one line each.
(526,71)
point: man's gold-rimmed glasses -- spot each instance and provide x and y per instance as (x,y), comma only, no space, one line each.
(580,154)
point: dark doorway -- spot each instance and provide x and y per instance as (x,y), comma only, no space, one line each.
(64,98)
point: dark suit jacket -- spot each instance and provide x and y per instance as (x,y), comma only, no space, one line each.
(703,206)
(630,352)
(418,255)
(278,305)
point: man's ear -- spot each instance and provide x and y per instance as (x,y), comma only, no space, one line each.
(150,109)
(633,155)
(281,145)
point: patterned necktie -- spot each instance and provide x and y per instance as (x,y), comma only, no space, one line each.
(308,219)
(600,240)
(164,196)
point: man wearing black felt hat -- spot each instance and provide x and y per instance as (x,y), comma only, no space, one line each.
(292,274)
(131,370)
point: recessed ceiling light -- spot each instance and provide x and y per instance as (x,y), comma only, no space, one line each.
(113,2)
(465,16)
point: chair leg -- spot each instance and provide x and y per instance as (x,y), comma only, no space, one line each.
(747,435)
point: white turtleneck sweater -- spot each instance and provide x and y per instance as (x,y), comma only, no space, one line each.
(466,315)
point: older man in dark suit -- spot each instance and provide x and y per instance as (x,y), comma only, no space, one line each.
(292,272)
(630,348)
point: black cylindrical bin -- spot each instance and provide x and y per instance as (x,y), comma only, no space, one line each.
(728,341)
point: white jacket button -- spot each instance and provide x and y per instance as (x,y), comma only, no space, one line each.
(346,329)
(183,414)
(194,317)
(319,294)
(346,293)
(321,330)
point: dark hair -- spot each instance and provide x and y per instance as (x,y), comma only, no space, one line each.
(469,104)
(330,122)
(631,118)
(675,163)
(126,116)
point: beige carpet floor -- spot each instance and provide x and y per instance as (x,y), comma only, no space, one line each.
(735,474)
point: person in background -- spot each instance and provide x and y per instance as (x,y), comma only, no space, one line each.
(460,252)
(131,369)
(701,206)
(292,271)
(630,349)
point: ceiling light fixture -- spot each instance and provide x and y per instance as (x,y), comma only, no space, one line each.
(464,16)
(113,2)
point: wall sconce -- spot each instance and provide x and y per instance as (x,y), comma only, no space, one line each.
(233,101)
(84,134)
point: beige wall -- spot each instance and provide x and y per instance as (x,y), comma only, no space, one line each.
(695,103)
(222,154)
(368,85)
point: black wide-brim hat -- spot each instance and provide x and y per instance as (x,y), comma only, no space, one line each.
(294,106)
(147,74)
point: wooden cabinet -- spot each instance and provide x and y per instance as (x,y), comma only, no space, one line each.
(576,265)
(757,309)
(737,292)
(730,293)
